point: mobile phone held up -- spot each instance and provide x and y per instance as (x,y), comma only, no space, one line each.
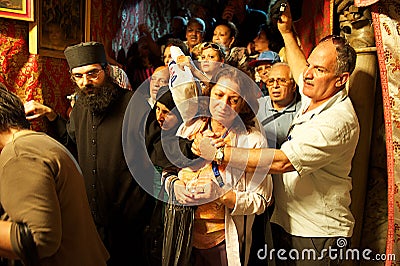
(276,9)
(282,9)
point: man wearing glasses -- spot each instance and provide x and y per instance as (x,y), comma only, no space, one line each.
(278,109)
(312,216)
(275,114)
(119,206)
(262,66)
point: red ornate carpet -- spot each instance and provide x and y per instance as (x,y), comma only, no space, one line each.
(386,17)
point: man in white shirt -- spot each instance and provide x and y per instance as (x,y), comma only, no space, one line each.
(312,193)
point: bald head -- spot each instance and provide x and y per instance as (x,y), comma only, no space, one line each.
(159,78)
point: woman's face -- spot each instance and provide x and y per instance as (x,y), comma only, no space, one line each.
(261,42)
(143,48)
(208,56)
(263,71)
(167,55)
(166,119)
(222,36)
(225,101)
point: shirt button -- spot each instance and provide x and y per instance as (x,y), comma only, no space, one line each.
(94,171)
(93,141)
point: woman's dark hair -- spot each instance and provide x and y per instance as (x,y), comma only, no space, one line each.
(247,92)
(273,35)
(178,43)
(12,112)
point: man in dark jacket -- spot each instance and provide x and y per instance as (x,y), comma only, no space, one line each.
(120,207)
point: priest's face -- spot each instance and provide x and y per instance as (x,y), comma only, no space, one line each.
(90,74)
(95,90)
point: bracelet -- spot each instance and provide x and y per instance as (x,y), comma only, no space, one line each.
(219,155)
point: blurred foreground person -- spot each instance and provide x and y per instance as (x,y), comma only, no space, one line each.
(45,217)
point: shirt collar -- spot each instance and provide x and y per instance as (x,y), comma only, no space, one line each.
(291,107)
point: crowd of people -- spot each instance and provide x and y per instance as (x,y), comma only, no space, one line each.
(242,32)
(261,163)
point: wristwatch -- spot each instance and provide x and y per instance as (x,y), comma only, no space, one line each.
(219,155)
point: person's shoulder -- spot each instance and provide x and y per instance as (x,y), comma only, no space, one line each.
(348,111)
(238,50)
(253,138)
(191,127)
(29,141)
(264,103)
(340,116)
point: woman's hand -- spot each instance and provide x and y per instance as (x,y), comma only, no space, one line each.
(206,144)
(184,60)
(35,110)
(182,195)
(212,191)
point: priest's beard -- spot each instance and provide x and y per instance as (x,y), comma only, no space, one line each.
(98,97)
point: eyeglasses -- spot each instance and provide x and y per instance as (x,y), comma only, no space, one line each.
(161,81)
(279,81)
(215,46)
(91,74)
(336,39)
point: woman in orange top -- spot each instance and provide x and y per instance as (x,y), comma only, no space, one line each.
(227,198)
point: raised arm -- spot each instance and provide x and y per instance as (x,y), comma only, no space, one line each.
(35,110)
(295,56)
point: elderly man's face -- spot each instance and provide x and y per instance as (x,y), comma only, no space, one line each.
(157,80)
(320,79)
(281,86)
